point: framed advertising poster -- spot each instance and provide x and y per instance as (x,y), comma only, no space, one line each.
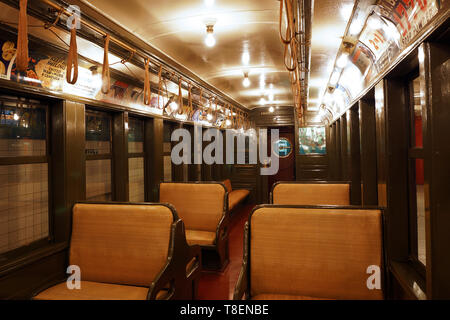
(312,141)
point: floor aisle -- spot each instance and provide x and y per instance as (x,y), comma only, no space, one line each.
(220,286)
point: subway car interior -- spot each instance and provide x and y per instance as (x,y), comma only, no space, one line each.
(225,150)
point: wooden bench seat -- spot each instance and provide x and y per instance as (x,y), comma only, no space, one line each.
(311,193)
(128,252)
(235,197)
(301,253)
(203,207)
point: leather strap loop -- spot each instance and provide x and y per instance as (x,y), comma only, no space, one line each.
(105,72)
(72,57)
(180,97)
(22,57)
(147,86)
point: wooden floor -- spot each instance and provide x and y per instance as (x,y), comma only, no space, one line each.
(220,286)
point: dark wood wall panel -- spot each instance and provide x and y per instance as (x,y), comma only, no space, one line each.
(435,71)
(368,150)
(355,156)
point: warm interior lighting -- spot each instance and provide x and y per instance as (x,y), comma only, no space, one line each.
(209,117)
(210,41)
(246,58)
(262,101)
(246,81)
(342,61)
(228,122)
(374,22)
(174,106)
(271,109)
(334,78)
(16,116)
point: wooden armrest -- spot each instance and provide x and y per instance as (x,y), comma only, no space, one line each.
(195,252)
(222,229)
(242,287)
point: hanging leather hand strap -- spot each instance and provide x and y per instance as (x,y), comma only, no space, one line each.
(284,41)
(22,38)
(190,105)
(180,97)
(72,57)
(147,87)
(105,72)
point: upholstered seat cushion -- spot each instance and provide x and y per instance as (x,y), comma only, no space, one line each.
(269,296)
(201,238)
(200,206)
(315,252)
(311,194)
(93,291)
(235,197)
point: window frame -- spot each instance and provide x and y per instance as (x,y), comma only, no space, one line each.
(414,153)
(108,156)
(144,154)
(24,160)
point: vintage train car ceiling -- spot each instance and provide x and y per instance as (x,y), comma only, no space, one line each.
(377,35)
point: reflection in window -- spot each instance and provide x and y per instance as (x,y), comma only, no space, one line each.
(135,135)
(24,210)
(98,180)
(136,179)
(98,133)
(22,129)
(420,198)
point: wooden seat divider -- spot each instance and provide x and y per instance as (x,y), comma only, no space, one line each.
(128,251)
(235,197)
(311,193)
(203,206)
(310,253)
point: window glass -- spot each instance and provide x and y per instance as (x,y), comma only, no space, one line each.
(135,135)
(420,199)
(98,133)
(98,180)
(417,114)
(24,216)
(136,179)
(22,129)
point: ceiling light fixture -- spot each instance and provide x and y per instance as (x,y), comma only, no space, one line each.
(246,58)
(271,109)
(246,83)
(210,41)
(342,61)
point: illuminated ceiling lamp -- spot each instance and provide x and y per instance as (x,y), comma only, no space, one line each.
(246,83)
(271,109)
(210,41)
(209,3)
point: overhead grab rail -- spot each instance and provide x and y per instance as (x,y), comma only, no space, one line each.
(111,39)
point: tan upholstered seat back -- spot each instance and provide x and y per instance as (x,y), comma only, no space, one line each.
(227,184)
(322,253)
(120,244)
(200,206)
(311,194)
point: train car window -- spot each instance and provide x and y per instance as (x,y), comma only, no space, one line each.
(416,174)
(167,149)
(24,173)
(98,156)
(136,160)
